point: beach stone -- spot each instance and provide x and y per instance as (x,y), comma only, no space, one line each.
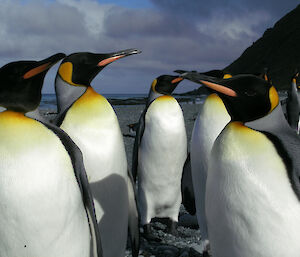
(167,251)
(195,251)
(184,253)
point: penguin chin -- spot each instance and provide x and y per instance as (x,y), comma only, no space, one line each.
(165,92)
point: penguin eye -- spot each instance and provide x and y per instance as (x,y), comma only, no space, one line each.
(250,93)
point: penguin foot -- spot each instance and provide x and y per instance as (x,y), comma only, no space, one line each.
(205,254)
(148,235)
(172,228)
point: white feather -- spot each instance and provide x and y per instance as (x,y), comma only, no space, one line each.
(162,154)
(251,207)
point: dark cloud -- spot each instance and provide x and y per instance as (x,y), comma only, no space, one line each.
(188,9)
(126,23)
(172,34)
(207,8)
(167,41)
(32,30)
(203,10)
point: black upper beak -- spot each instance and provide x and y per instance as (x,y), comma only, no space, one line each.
(126,52)
(42,66)
(52,59)
(196,77)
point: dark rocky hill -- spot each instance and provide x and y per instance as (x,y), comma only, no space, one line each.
(278,50)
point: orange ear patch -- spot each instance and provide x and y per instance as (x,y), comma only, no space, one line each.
(36,70)
(153,85)
(274,98)
(176,80)
(219,88)
(227,76)
(109,60)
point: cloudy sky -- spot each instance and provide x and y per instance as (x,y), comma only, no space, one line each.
(172,34)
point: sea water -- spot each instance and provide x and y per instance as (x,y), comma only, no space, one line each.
(48,101)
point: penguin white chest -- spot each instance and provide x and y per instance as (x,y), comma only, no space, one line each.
(162,154)
(251,207)
(92,124)
(210,121)
(41,210)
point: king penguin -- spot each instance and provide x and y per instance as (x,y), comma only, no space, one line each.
(89,119)
(293,104)
(46,204)
(160,150)
(253,188)
(211,120)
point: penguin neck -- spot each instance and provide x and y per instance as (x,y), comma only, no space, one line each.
(274,121)
(293,90)
(36,115)
(152,96)
(13,115)
(66,94)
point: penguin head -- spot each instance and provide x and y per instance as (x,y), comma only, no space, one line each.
(165,84)
(264,74)
(21,83)
(212,73)
(246,97)
(79,69)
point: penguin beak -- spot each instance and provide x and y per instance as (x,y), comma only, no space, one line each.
(210,82)
(43,65)
(266,77)
(219,88)
(180,71)
(117,55)
(177,80)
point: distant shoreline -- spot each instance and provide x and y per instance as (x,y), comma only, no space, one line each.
(48,101)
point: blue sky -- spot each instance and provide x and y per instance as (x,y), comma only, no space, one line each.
(172,34)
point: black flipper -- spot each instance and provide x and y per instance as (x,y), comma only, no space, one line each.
(285,140)
(133,217)
(138,137)
(80,174)
(58,120)
(187,189)
(293,105)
